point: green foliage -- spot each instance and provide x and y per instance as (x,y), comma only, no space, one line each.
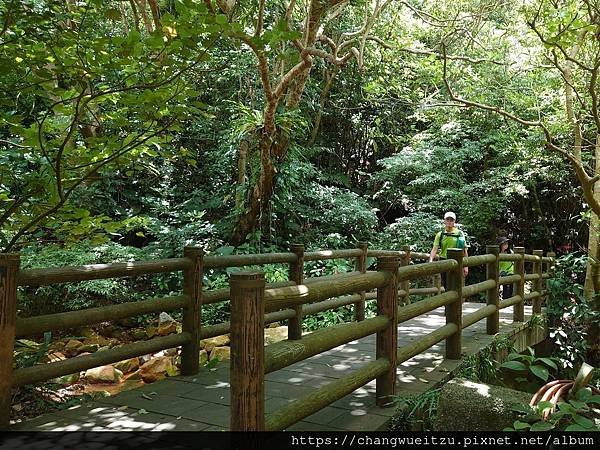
(417,412)
(574,415)
(482,366)
(570,315)
(79,295)
(527,372)
(416,230)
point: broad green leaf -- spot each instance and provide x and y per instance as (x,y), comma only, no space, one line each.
(548,362)
(575,427)
(521,425)
(540,372)
(521,407)
(514,365)
(542,426)
(583,421)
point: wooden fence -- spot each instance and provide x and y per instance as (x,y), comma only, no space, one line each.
(255,303)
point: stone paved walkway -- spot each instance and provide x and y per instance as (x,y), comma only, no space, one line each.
(201,402)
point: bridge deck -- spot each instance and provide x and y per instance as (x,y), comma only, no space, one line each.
(201,402)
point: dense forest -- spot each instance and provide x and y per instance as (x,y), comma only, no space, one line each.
(150,124)
(130,129)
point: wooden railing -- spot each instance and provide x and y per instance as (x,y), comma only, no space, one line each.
(255,303)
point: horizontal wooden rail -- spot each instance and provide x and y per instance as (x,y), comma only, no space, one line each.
(324,396)
(220,295)
(285,353)
(331,254)
(509,279)
(547,259)
(476,288)
(225,327)
(532,295)
(424,342)
(74,319)
(505,303)
(44,277)
(44,372)
(296,295)
(546,276)
(509,257)
(285,314)
(214,262)
(413,310)
(478,260)
(334,277)
(476,316)
(331,303)
(422,291)
(380,253)
(426,269)
(218,329)
(532,258)
(414,256)
(532,276)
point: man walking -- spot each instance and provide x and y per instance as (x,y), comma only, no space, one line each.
(449,237)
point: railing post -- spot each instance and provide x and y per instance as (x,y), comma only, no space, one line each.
(549,270)
(297,276)
(493,295)
(387,340)
(455,282)
(361,266)
(247,366)
(405,285)
(9,266)
(519,308)
(539,285)
(192,313)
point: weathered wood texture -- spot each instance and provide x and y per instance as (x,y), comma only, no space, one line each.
(285,353)
(425,270)
(325,395)
(424,342)
(514,300)
(509,279)
(74,319)
(44,372)
(361,266)
(413,310)
(454,310)
(192,289)
(297,276)
(519,308)
(45,277)
(296,295)
(476,288)
(9,265)
(213,262)
(404,285)
(387,339)
(492,272)
(479,260)
(481,313)
(247,351)
(331,254)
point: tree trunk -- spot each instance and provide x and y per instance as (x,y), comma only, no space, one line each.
(260,195)
(241,178)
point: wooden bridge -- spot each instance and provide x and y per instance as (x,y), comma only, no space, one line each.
(340,377)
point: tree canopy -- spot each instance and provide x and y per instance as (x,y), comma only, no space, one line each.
(152,123)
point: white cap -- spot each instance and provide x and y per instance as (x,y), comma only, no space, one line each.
(450,215)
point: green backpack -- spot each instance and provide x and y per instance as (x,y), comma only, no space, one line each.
(460,238)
